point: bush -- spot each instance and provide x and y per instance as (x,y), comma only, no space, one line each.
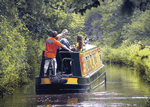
(34,52)
(12,55)
(133,55)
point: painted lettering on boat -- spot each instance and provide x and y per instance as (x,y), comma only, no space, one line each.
(90,61)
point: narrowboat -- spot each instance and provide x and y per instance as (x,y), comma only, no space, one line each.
(77,72)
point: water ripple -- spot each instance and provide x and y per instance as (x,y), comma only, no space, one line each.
(105,98)
(105,93)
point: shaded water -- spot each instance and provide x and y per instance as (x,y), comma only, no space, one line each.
(124,89)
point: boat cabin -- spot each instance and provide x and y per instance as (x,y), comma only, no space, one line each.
(83,71)
(77,63)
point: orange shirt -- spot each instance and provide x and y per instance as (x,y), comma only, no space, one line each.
(51,47)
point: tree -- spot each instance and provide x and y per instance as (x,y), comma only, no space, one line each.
(105,23)
(127,6)
(12,55)
(139,29)
(92,22)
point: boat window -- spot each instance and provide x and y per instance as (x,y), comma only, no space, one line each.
(94,56)
(91,60)
(88,63)
(100,55)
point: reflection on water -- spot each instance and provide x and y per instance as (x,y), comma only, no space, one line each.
(124,89)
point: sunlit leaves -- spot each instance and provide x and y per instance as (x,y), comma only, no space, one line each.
(131,55)
(34,52)
(12,55)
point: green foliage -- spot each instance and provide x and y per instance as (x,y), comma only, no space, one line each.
(127,6)
(105,23)
(34,56)
(92,23)
(48,14)
(40,16)
(131,55)
(139,29)
(12,55)
(25,26)
(60,20)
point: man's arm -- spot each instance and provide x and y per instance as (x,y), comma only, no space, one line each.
(64,32)
(59,36)
(63,46)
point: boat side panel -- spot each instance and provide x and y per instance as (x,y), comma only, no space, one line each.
(90,61)
(98,77)
(83,65)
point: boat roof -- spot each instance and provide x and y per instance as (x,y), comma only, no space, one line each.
(88,47)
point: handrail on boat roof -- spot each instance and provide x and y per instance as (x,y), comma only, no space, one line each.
(88,47)
(85,48)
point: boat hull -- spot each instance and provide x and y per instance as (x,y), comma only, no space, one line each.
(75,84)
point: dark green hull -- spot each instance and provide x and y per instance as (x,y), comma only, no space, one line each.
(84,84)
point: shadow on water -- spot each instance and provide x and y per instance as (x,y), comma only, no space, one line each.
(124,89)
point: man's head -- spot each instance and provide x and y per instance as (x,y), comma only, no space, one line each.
(54,33)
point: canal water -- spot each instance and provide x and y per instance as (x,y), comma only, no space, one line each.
(125,88)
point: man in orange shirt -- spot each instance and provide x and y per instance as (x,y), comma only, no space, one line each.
(50,52)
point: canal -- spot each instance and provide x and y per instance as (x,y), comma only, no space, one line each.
(125,88)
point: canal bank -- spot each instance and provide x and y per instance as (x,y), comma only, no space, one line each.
(124,88)
(133,56)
